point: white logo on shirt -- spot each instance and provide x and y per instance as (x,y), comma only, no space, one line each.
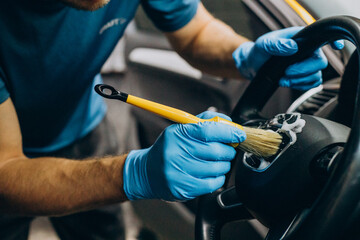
(112,23)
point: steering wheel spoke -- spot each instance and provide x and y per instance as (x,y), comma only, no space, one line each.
(217,209)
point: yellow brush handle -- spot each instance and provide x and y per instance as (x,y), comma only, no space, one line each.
(222,120)
(170,113)
(174,114)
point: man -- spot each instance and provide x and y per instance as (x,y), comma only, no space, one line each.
(50,55)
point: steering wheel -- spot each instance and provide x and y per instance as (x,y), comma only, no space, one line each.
(311,188)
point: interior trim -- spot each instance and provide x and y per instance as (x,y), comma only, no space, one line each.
(301,11)
(164,60)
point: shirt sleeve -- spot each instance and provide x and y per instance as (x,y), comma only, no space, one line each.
(170,15)
(4,94)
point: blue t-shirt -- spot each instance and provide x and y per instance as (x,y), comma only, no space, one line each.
(50,57)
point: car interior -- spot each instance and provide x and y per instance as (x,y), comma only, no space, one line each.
(308,190)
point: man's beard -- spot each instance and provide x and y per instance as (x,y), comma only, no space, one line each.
(86,4)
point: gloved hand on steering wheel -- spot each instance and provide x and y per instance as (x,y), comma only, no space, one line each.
(250,56)
(186,161)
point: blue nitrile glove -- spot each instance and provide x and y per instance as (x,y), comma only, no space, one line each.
(186,161)
(250,56)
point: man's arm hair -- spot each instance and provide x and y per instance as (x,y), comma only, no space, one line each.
(52,186)
(207,44)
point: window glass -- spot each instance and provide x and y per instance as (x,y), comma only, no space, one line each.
(232,12)
(326,8)
(238,16)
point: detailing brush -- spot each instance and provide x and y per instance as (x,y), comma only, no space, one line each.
(262,143)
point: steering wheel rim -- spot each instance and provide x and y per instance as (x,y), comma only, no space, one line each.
(314,224)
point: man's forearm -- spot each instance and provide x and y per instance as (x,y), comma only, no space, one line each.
(212,47)
(55,186)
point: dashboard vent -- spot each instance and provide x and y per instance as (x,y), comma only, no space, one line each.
(311,101)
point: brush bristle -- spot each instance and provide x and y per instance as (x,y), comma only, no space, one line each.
(262,143)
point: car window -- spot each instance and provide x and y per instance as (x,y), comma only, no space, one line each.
(326,8)
(238,16)
(232,12)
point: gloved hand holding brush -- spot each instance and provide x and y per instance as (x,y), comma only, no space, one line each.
(186,161)
(250,56)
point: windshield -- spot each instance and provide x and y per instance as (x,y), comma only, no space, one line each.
(326,8)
